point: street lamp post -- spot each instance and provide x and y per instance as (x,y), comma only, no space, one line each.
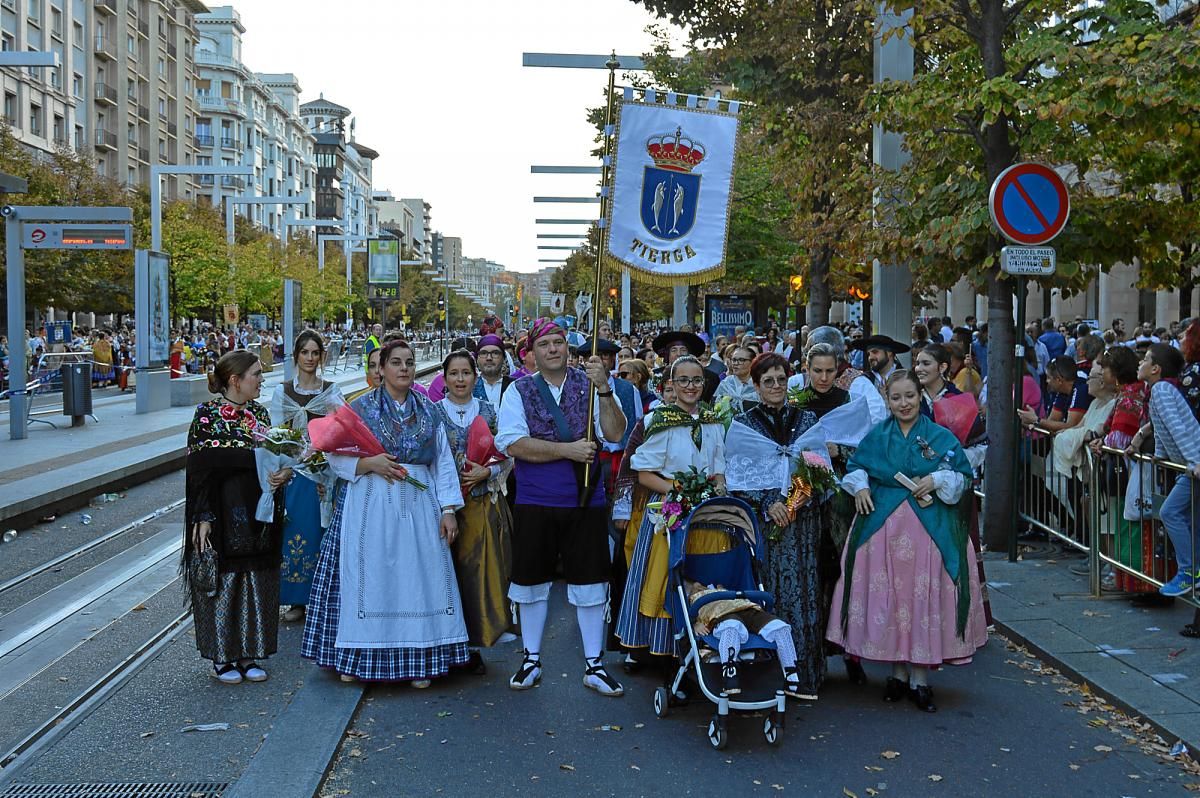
(156,175)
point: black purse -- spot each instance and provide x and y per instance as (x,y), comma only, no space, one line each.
(202,572)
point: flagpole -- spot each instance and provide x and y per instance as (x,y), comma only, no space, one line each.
(602,234)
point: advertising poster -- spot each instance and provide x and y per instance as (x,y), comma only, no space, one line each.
(160,315)
(724,313)
(383,260)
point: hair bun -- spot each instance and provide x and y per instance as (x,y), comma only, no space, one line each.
(214,383)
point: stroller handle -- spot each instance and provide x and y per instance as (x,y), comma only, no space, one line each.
(757,596)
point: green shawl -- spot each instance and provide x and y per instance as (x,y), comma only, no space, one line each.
(668,416)
(886,451)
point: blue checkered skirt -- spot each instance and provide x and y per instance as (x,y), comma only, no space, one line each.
(368,664)
(634,629)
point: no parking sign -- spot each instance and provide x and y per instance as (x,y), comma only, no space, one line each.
(1029,204)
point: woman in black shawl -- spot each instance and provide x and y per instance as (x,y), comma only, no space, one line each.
(231,559)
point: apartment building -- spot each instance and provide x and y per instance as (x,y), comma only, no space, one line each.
(411,220)
(124,85)
(252,119)
(345,170)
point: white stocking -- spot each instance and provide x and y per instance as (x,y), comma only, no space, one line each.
(591,629)
(533,624)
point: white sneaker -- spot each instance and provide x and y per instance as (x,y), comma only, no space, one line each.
(507,637)
(529,674)
(598,679)
(253,672)
(294,613)
(227,673)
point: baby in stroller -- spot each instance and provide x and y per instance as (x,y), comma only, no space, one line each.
(731,621)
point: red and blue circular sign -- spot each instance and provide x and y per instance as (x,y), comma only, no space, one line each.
(1029,204)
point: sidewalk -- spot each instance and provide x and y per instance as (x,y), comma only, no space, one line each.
(55,469)
(1133,657)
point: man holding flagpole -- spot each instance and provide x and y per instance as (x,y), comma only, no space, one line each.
(542,426)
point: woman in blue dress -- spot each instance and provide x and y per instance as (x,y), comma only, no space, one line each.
(293,405)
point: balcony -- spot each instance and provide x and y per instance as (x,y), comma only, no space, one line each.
(222,105)
(105,140)
(144,154)
(227,181)
(105,6)
(172,129)
(105,48)
(144,27)
(229,143)
(172,52)
(143,112)
(204,140)
(106,94)
(209,58)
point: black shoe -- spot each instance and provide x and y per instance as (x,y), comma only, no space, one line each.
(894,690)
(630,665)
(922,696)
(475,664)
(729,678)
(855,672)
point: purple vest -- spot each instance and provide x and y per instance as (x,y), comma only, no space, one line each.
(553,484)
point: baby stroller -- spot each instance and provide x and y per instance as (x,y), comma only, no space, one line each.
(733,569)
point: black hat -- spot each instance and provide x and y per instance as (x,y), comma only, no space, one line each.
(879,342)
(603,347)
(668,339)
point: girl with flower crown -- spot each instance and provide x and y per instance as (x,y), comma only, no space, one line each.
(678,436)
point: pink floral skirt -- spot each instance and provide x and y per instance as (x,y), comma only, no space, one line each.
(902,602)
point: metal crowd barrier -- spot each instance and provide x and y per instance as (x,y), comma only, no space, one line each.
(1109,508)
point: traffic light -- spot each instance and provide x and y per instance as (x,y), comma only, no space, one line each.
(442,303)
(612,295)
(858,293)
(797,283)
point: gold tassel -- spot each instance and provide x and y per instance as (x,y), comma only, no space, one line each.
(667,280)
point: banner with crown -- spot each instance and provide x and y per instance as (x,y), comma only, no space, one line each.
(673,176)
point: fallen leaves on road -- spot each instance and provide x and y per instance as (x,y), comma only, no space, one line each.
(890,754)
(847,792)
(444,714)
(566,767)
(934,777)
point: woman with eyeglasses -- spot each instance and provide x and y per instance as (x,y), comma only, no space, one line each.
(678,436)
(791,570)
(738,384)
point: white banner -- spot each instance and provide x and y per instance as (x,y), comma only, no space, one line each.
(671,192)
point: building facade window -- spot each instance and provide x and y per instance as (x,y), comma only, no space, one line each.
(35,119)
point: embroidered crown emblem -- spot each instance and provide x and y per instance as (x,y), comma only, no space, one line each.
(675,153)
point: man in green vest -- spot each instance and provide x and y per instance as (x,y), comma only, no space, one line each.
(372,342)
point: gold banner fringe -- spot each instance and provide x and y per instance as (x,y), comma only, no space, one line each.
(666,280)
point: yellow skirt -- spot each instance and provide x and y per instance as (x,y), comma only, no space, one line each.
(653,596)
(482,562)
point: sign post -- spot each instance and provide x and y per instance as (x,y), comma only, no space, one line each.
(152,316)
(23,220)
(1029,205)
(293,322)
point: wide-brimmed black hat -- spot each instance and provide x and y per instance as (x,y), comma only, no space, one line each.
(666,340)
(603,347)
(879,342)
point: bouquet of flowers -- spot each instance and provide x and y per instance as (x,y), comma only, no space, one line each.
(689,488)
(800,397)
(343,432)
(315,466)
(281,448)
(812,476)
(723,410)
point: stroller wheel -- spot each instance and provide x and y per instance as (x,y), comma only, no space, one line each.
(718,735)
(773,728)
(662,702)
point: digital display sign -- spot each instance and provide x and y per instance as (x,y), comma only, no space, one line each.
(37,235)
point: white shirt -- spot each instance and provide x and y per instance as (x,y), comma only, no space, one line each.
(739,391)
(672,450)
(512,424)
(860,387)
(492,389)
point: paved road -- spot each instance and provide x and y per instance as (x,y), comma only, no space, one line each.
(1002,730)
(1006,727)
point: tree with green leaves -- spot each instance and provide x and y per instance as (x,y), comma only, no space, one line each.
(998,82)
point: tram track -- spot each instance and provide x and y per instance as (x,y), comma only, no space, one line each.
(70,715)
(84,548)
